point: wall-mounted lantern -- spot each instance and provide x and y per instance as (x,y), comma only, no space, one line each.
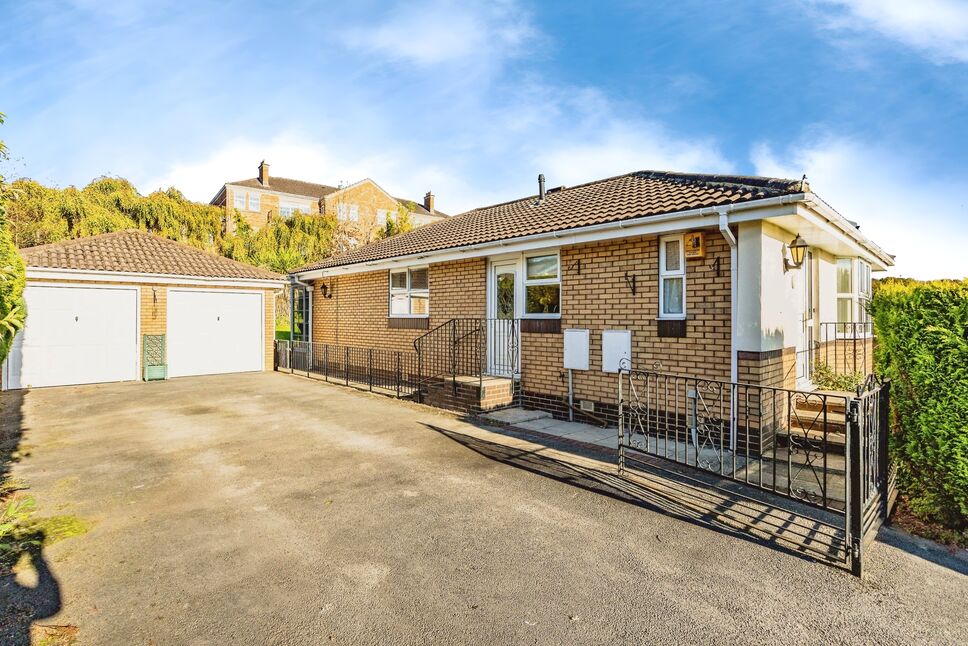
(797,249)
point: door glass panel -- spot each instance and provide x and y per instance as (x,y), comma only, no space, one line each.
(505,295)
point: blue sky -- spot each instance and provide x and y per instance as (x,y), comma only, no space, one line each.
(869,98)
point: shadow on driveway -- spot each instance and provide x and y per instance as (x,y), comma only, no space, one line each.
(20,605)
(679,496)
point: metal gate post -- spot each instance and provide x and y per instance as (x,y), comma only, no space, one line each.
(883,433)
(398,374)
(346,365)
(621,425)
(369,369)
(855,494)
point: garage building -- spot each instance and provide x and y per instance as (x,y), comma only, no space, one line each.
(91,301)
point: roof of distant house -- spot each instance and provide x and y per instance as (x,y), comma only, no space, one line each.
(139,252)
(633,195)
(286,185)
(317,191)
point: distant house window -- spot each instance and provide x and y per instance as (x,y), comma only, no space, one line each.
(289,209)
(342,211)
(255,202)
(381,216)
(410,292)
(238,200)
(542,287)
(354,212)
(672,278)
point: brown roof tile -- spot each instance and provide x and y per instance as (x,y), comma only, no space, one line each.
(286,185)
(139,252)
(634,195)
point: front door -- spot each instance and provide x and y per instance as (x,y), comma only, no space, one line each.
(503,315)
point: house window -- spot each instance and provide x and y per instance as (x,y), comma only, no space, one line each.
(255,202)
(354,213)
(845,292)
(238,200)
(381,217)
(289,209)
(410,292)
(542,287)
(672,278)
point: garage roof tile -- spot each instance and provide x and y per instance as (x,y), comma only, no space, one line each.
(139,252)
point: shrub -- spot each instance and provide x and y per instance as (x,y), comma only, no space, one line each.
(922,332)
(826,378)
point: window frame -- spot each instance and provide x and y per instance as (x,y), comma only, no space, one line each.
(861,288)
(526,282)
(236,197)
(254,197)
(665,274)
(408,291)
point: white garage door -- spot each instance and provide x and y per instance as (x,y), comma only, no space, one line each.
(75,335)
(215,331)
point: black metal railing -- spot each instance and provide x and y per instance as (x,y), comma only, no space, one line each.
(391,372)
(823,450)
(469,349)
(846,348)
(456,353)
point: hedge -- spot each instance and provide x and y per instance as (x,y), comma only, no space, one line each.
(922,346)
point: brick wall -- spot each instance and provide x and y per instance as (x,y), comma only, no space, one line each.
(357,314)
(595,295)
(269,203)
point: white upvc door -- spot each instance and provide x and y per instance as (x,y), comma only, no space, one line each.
(504,313)
(75,335)
(215,331)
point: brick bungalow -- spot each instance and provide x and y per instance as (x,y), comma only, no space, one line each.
(714,276)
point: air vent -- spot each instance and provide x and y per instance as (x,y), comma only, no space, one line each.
(587,405)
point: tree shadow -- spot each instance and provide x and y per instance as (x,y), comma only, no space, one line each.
(806,534)
(21,546)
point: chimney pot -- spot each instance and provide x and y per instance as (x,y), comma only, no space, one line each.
(429,201)
(541,186)
(264,173)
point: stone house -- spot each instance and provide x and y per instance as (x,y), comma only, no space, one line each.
(713,276)
(361,208)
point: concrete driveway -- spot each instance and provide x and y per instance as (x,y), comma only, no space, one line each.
(266,508)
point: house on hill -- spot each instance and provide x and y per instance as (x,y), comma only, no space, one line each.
(362,208)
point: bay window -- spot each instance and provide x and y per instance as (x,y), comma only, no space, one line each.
(672,278)
(410,292)
(542,286)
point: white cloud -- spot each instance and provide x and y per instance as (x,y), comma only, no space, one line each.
(912,214)
(443,31)
(937,28)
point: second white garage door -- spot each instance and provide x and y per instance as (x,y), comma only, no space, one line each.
(214,331)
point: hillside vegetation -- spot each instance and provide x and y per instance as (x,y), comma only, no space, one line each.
(39,214)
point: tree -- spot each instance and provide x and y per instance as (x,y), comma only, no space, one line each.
(13,310)
(400,224)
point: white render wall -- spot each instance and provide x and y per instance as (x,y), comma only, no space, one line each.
(770,311)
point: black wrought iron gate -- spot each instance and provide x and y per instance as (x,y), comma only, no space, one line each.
(824,450)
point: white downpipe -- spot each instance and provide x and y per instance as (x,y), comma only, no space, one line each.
(733,313)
